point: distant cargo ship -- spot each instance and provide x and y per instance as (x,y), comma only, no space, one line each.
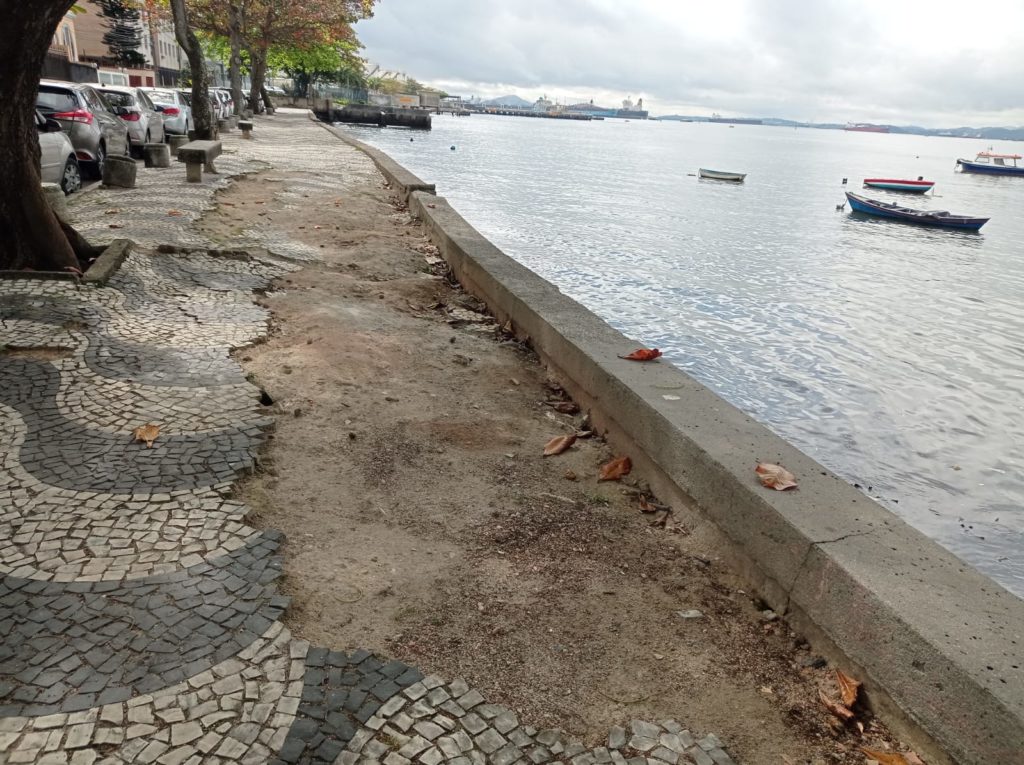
(628,111)
(734,120)
(867,128)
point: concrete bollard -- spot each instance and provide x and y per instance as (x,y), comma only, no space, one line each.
(156,155)
(55,197)
(247,114)
(224,126)
(177,141)
(233,121)
(246,128)
(119,171)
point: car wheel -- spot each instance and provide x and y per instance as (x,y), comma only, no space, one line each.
(71,180)
(101,158)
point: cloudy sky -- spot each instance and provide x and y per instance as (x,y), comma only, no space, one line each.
(926,62)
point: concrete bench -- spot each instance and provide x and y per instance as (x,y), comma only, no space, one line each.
(246,127)
(198,156)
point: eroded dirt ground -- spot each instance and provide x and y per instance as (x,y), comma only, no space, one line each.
(423,521)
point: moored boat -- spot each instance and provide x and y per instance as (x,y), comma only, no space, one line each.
(920,186)
(910,215)
(720,175)
(989,163)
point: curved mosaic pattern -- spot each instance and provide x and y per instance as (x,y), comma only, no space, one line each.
(139,614)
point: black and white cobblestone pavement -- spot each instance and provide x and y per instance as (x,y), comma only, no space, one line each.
(139,614)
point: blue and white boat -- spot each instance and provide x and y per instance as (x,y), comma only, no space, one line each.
(940,218)
(988,163)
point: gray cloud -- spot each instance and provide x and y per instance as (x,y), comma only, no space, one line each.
(806,59)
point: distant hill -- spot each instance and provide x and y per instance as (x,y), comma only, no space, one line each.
(512,101)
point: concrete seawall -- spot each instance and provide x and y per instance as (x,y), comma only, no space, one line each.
(939,646)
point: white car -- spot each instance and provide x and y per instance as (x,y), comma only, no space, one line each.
(57,160)
(145,124)
(177,113)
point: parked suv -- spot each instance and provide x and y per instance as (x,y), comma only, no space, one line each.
(177,113)
(227,103)
(145,123)
(57,161)
(86,118)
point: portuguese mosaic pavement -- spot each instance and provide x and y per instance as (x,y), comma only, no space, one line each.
(139,614)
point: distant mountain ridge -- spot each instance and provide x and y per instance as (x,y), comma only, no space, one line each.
(509,101)
(986,133)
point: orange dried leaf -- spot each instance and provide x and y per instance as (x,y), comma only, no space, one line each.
(558,444)
(836,709)
(175,213)
(616,469)
(116,225)
(913,759)
(848,688)
(147,433)
(642,354)
(775,476)
(885,758)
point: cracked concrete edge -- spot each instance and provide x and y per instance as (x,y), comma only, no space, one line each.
(403,181)
(106,265)
(937,644)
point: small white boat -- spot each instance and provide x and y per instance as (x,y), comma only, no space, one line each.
(719,175)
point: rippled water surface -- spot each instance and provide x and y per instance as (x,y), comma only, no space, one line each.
(891,353)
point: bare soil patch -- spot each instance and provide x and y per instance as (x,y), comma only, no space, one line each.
(423,522)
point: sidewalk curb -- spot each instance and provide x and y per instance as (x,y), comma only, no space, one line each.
(939,646)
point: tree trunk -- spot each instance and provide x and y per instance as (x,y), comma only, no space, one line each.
(266,98)
(32,237)
(259,73)
(202,116)
(235,65)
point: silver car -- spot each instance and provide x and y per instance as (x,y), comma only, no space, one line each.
(57,160)
(86,118)
(145,124)
(177,113)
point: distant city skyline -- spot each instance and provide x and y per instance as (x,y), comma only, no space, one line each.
(912,62)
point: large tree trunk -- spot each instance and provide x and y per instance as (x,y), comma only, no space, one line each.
(235,22)
(259,73)
(202,116)
(31,235)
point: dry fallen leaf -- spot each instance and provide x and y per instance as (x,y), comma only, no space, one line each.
(642,354)
(558,444)
(175,213)
(616,469)
(913,759)
(147,433)
(571,476)
(116,225)
(848,688)
(566,407)
(885,758)
(112,211)
(836,709)
(775,476)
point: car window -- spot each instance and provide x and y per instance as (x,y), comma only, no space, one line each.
(95,100)
(117,98)
(186,97)
(163,96)
(51,100)
(144,99)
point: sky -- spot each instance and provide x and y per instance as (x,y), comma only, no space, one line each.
(935,63)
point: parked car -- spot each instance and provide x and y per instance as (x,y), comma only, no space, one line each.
(227,102)
(87,119)
(145,123)
(57,160)
(214,103)
(177,113)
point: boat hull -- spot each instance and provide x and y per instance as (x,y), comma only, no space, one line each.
(909,215)
(895,184)
(719,175)
(987,168)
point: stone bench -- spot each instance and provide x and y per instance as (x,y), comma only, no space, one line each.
(198,156)
(246,127)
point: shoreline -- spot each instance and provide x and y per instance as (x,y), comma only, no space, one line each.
(847,572)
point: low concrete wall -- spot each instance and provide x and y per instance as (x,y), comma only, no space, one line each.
(938,645)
